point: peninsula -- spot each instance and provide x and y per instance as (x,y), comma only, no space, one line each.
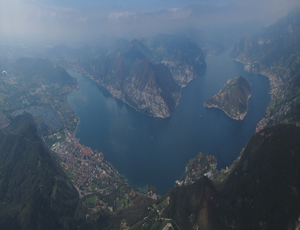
(232,99)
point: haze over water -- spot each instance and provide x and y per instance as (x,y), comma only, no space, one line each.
(155,151)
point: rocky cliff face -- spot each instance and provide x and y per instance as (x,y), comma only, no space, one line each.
(153,90)
(275,52)
(232,99)
(142,77)
(130,76)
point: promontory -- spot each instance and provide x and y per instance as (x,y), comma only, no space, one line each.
(233,98)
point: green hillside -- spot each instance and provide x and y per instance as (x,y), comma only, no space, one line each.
(34,191)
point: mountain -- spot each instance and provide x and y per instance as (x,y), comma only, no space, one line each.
(128,74)
(148,73)
(275,52)
(232,99)
(35,193)
(180,54)
(263,189)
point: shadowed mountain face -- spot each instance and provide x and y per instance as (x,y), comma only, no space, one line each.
(232,99)
(34,191)
(265,184)
(275,52)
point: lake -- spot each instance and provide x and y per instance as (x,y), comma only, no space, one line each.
(155,151)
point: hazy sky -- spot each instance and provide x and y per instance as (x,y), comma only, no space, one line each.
(67,19)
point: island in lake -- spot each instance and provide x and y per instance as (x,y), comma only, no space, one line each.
(232,99)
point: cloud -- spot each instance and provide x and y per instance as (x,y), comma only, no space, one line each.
(82,19)
(174,10)
(63,9)
(176,13)
(122,15)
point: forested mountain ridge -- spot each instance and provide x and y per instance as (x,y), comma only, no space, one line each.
(35,193)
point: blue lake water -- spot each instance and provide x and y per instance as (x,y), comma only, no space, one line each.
(155,151)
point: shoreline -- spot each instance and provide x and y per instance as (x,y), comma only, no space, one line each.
(91,77)
(114,95)
(140,191)
(99,84)
(275,88)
